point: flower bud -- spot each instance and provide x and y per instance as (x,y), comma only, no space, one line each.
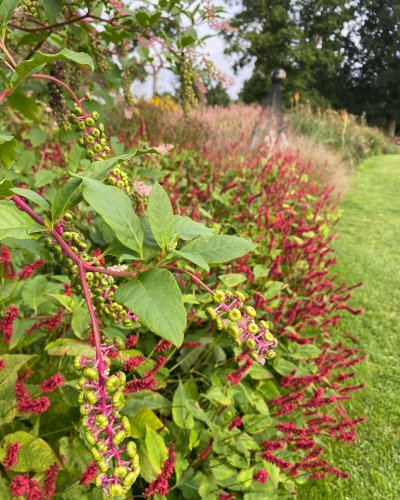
(91,373)
(120,471)
(131,449)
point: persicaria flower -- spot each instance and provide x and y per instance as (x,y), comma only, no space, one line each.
(51,383)
(11,457)
(20,485)
(235,422)
(226,496)
(6,324)
(260,476)
(49,485)
(27,271)
(206,450)
(2,364)
(5,259)
(24,402)
(162,346)
(131,341)
(160,484)
(89,474)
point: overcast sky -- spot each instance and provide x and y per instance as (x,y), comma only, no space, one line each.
(214,48)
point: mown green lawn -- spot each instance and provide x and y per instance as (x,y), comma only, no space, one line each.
(369,250)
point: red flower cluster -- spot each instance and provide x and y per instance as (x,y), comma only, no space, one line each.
(11,457)
(132,362)
(260,476)
(131,341)
(160,484)
(148,382)
(27,271)
(50,323)
(23,485)
(235,423)
(51,383)
(162,346)
(236,377)
(89,474)
(5,259)
(6,324)
(24,402)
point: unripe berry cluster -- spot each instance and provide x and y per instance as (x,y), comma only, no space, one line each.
(101,398)
(99,54)
(117,177)
(237,321)
(102,287)
(57,100)
(188,97)
(93,134)
(30,7)
(127,78)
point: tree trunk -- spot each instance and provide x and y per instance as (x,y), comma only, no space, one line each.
(391,127)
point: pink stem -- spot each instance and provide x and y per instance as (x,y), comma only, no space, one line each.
(41,76)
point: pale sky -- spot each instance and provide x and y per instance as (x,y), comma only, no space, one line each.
(214,48)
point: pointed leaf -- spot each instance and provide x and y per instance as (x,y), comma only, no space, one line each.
(161,216)
(157,299)
(216,249)
(14,223)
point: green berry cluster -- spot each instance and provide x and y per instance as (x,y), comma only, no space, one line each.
(102,287)
(101,398)
(117,177)
(188,96)
(238,322)
(99,53)
(58,102)
(93,137)
(127,78)
(30,7)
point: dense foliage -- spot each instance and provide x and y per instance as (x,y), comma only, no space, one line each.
(165,316)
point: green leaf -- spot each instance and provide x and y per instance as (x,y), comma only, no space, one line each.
(193,257)
(189,229)
(116,209)
(6,188)
(7,8)
(34,454)
(44,177)
(148,399)
(33,196)
(157,299)
(69,347)
(7,150)
(216,249)
(306,351)
(14,223)
(33,292)
(31,66)
(181,415)
(161,216)
(188,37)
(232,279)
(142,418)
(156,449)
(8,379)
(75,455)
(80,321)
(68,196)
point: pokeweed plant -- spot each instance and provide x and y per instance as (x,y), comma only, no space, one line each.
(161,247)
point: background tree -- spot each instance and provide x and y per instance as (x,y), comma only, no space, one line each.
(306,38)
(370,77)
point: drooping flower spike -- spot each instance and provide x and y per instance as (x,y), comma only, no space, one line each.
(238,322)
(101,399)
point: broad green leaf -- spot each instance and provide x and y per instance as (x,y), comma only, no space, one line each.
(148,399)
(4,492)
(189,229)
(181,415)
(144,418)
(68,196)
(306,351)
(14,223)
(7,150)
(80,321)
(216,249)
(69,347)
(43,178)
(160,216)
(33,292)
(156,449)
(75,455)
(232,279)
(283,367)
(62,300)
(157,299)
(33,196)
(34,454)
(8,379)
(188,37)
(6,188)
(116,209)
(193,257)
(30,66)
(7,8)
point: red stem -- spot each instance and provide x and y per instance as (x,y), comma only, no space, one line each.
(42,76)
